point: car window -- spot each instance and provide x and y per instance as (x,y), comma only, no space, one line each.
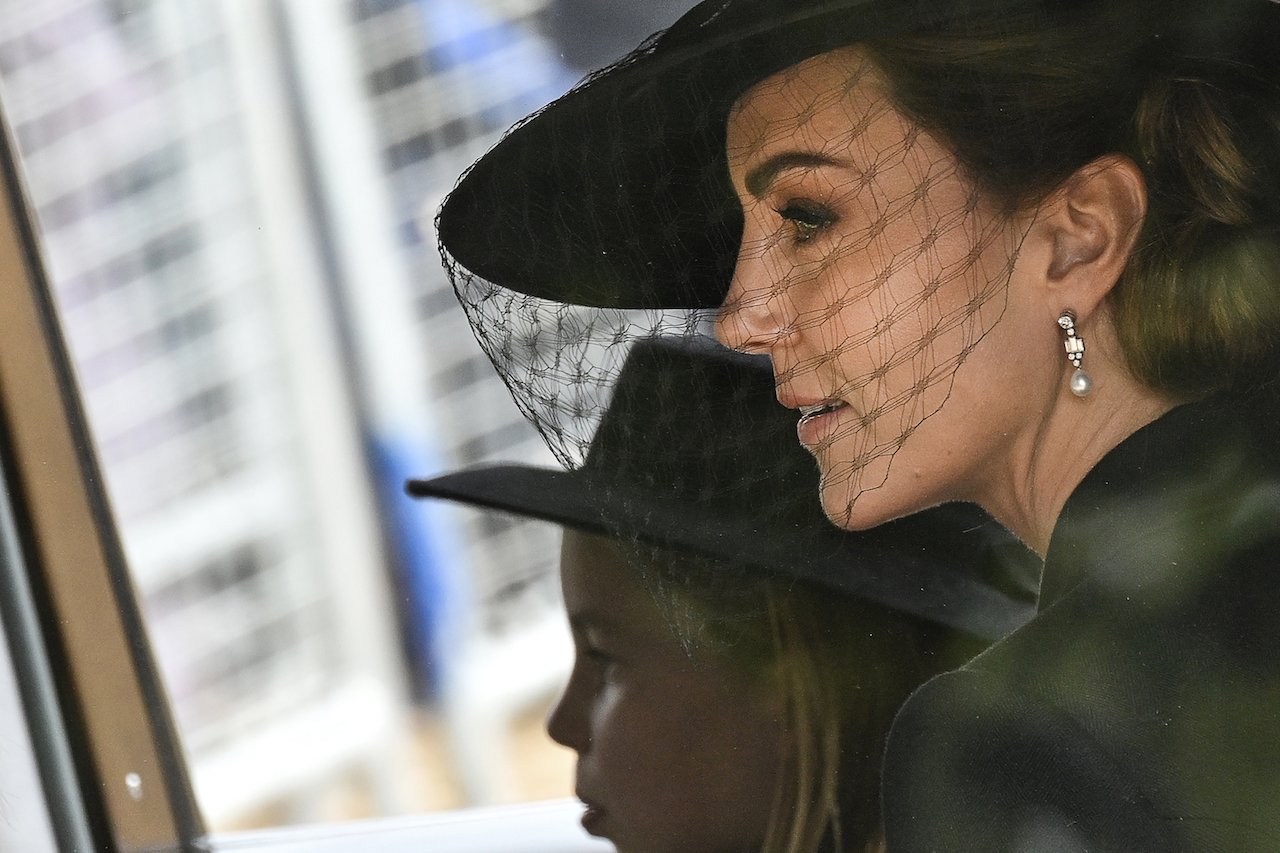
(233,203)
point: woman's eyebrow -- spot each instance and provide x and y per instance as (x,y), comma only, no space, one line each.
(760,177)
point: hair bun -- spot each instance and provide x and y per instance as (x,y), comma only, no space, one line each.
(1207,133)
(1208,137)
(1207,126)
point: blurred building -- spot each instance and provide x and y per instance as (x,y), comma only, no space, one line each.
(235,198)
(258,561)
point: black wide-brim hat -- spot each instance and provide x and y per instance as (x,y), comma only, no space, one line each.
(617,196)
(694,455)
(605,198)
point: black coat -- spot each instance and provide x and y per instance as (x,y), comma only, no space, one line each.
(1140,709)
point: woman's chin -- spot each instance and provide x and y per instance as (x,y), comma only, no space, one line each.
(852,504)
(851,511)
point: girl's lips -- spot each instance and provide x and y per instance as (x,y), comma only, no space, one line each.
(818,422)
(592,818)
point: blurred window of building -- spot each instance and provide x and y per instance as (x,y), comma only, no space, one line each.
(234,199)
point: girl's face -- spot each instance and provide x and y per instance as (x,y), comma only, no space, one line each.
(873,273)
(677,753)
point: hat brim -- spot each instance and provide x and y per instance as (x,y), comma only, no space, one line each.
(616,195)
(909,566)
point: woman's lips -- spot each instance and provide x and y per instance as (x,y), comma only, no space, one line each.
(818,422)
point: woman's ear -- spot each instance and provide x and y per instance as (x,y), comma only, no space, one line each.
(1092,222)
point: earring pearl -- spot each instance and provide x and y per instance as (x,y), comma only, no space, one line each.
(1081,384)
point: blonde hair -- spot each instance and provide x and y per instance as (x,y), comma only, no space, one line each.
(841,668)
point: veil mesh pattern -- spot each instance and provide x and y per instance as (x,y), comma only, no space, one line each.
(870,285)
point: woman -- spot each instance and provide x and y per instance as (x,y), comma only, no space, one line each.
(733,686)
(1022,253)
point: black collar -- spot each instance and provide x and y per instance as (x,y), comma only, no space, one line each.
(1129,494)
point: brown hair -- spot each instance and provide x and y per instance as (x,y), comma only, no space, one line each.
(841,667)
(1027,99)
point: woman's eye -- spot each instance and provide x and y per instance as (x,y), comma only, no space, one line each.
(806,218)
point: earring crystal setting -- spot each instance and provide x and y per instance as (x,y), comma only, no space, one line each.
(1081,384)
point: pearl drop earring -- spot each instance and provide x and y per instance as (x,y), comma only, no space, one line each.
(1081,384)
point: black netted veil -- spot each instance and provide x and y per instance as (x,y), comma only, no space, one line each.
(748,175)
(747,168)
(612,217)
(869,282)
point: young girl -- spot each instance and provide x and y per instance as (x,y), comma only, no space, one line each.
(735,680)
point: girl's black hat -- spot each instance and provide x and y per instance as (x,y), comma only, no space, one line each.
(694,454)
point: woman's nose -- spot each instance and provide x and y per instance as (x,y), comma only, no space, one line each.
(751,319)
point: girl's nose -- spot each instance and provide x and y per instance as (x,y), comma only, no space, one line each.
(567,720)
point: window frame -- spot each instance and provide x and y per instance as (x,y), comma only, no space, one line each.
(130,777)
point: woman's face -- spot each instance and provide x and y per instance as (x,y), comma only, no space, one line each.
(873,273)
(677,753)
